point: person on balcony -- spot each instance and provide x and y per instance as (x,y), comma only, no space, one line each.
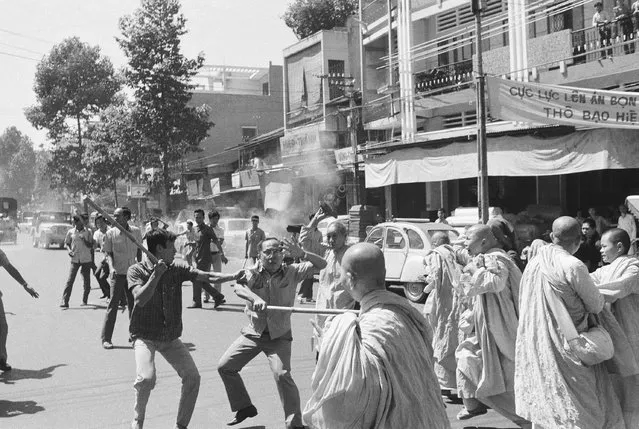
(624,26)
(601,20)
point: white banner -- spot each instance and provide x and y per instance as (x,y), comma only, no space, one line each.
(561,105)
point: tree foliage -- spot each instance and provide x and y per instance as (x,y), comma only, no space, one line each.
(73,82)
(17,165)
(307,17)
(160,76)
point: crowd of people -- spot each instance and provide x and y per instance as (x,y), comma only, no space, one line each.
(548,342)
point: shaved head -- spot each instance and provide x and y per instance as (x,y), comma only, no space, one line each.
(440,238)
(364,269)
(480,239)
(566,232)
(616,236)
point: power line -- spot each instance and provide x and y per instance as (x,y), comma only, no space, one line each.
(21,49)
(18,56)
(26,36)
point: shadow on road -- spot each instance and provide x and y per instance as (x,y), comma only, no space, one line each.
(87,307)
(13,409)
(482,427)
(254,427)
(10,377)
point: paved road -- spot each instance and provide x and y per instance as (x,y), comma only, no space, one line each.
(62,378)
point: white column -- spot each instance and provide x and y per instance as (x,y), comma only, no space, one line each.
(406,78)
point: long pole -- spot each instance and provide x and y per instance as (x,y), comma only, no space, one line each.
(482,150)
(353,132)
(240,309)
(114,223)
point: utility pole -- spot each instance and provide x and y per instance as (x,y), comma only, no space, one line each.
(348,83)
(482,150)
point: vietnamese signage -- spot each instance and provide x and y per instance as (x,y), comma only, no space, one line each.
(136,191)
(561,105)
(344,158)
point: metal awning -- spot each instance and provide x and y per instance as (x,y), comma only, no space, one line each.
(632,202)
(243,189)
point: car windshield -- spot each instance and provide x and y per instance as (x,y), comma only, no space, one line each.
(429,230)
(238,224)
(55,217)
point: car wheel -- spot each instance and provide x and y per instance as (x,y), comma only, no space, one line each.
(43,241)
(415,291)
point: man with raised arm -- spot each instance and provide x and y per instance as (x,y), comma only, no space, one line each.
(156,323)
(486,358)
(331,293)
(269,332)
(553,388)
(4,328)
(375,370)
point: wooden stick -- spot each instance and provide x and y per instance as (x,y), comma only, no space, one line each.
(240,309)
(114,223)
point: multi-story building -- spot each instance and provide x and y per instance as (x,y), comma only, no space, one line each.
(243,102)
(320,73)
(420,109)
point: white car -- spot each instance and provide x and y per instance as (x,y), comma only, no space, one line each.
(404,243)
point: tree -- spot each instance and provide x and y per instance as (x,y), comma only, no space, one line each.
(17,164)
(160,77)
(307,17)
(72,84)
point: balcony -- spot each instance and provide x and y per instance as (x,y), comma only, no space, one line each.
(448,78)
(591,44)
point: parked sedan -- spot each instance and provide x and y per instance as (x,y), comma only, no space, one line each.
(405,242)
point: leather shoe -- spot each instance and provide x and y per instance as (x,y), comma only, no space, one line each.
(218,300)
(243,414)
(4,366)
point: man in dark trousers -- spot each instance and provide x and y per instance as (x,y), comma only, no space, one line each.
(204,235)
(156,322)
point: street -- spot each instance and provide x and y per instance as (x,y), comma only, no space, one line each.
(63,378)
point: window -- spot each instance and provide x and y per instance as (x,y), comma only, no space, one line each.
(376,237)
(335,79)
(248,133)
(394,239)
(265,89)
(414,240)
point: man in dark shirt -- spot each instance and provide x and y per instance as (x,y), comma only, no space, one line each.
(588,251)
(156,322)
(204,235)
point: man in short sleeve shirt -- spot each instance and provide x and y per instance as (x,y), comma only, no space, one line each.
(204,235)
(121,253)
(268,283)
(79,242)
(4,328)
(253,238)
(156,322)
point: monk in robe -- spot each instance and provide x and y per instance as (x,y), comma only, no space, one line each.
(618,282)
(486,359)
(553,388)
(375,370)
(442,308)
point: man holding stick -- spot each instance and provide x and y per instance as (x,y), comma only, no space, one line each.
(121,254)
(204,236)
(268,283)
(156,322)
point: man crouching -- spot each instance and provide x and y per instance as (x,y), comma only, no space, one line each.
(156,322)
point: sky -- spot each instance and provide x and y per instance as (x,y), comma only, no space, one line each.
(231,32)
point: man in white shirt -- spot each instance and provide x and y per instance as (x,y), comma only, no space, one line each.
(217,250)
(121,254)
(79,242)
(601,20)
(627,223)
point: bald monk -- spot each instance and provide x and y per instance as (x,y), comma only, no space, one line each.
(442,307)
(618,282)
(553,389)
(486,358)
(375,371)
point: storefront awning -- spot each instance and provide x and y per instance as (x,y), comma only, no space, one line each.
(633,205)
(526,155)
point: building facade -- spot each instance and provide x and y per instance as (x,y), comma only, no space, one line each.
(420,103)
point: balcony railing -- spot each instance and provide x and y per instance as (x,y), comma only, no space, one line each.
(592,44)
(449,78)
